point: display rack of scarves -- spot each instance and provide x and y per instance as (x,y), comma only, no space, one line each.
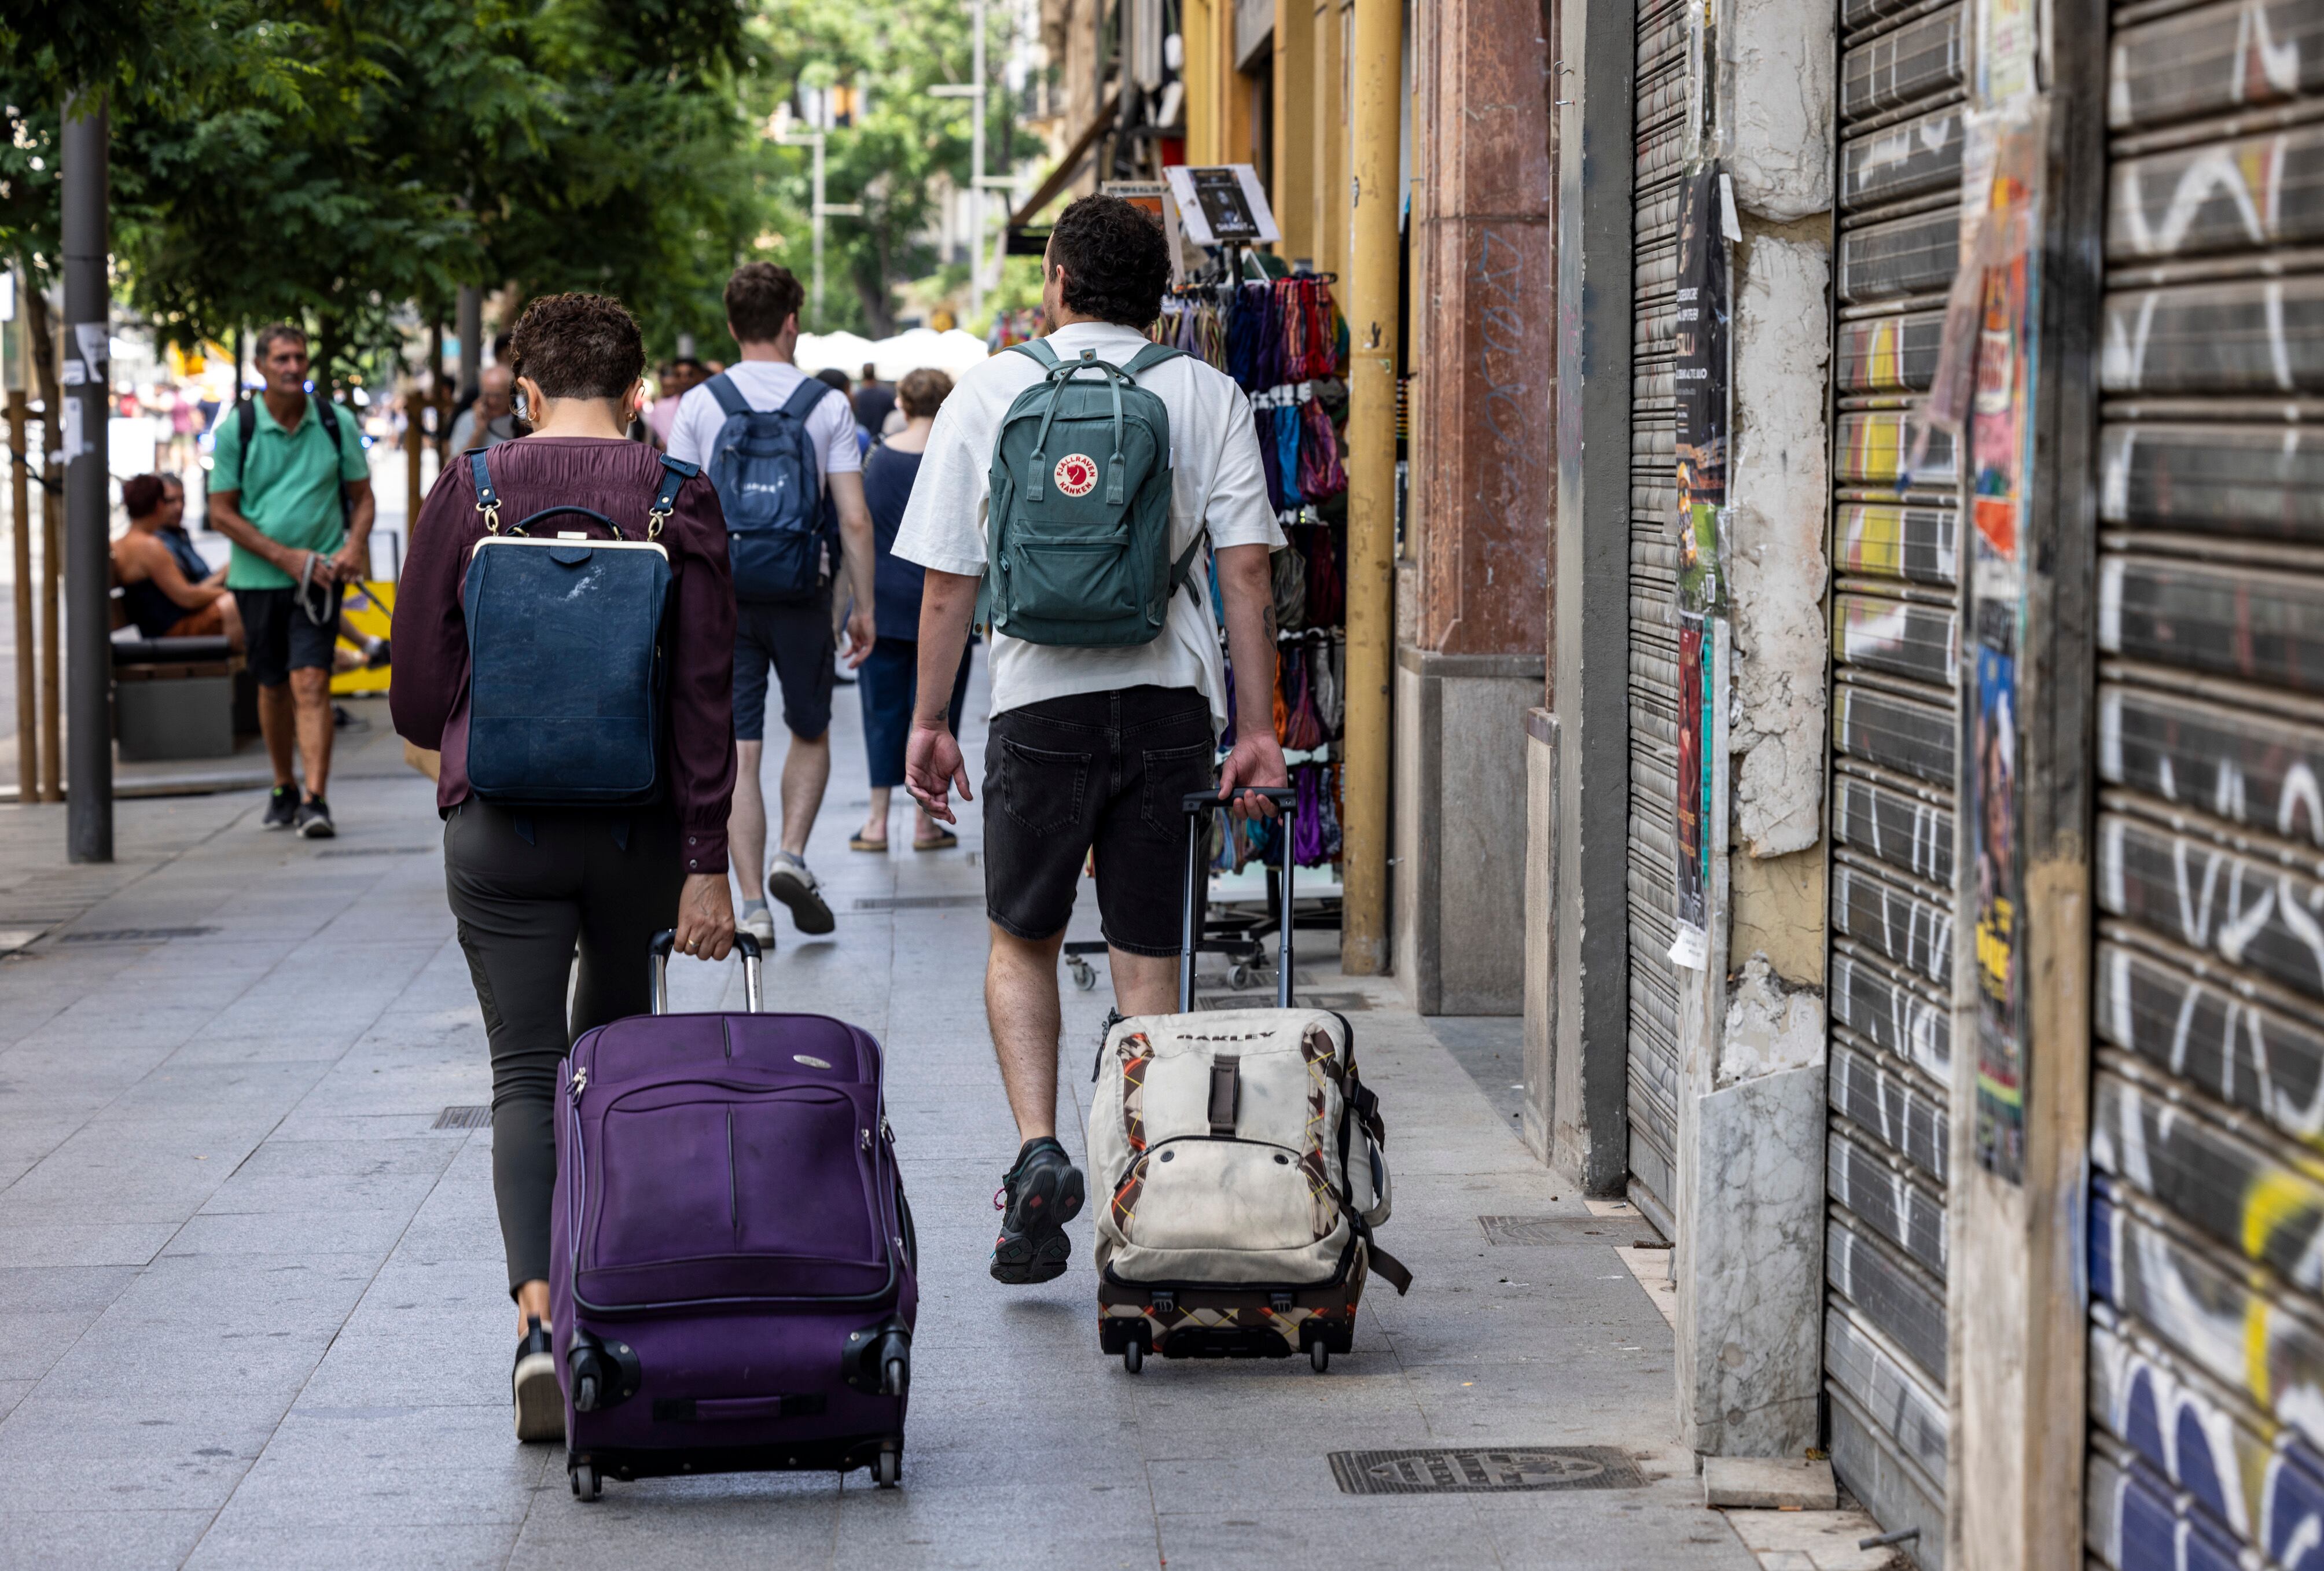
(1279,339)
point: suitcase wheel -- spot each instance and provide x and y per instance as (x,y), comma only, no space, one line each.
(1133,1355)
(1084,973)
(586,1485)
(1319,1357)
(887,1471)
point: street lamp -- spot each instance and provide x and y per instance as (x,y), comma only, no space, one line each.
(820,209)
(979,182)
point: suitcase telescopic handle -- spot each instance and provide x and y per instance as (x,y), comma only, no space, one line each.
(751,991)
(1197,806)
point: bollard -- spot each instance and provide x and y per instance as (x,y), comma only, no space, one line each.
(20,515)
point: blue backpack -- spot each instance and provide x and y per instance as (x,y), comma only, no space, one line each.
(770,487)
(566,660)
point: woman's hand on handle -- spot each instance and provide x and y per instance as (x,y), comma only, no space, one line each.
(705,917)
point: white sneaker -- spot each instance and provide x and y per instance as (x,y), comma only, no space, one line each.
(760,925)
(789,882)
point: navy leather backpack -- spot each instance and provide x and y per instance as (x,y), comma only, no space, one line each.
(565,664)
(770,488)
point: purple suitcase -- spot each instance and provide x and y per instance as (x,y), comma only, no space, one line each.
(732,1282)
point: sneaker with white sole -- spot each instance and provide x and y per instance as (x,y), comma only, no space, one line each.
(789,882)
(532,1386)
(760,925)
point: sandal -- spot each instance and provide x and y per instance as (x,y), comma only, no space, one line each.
(860,842)
(943,840)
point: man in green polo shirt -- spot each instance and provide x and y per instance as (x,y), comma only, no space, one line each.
(276,492)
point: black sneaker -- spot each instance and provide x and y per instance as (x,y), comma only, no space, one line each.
(1038,1197)
(282,808)
(532,1385)
(789,882)
(314,820)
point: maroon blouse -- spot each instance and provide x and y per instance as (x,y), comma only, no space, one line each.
(429,693)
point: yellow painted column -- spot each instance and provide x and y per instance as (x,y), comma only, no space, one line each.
(1294,153)
(1370,302)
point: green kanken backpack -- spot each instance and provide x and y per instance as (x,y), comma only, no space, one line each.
(1079,521)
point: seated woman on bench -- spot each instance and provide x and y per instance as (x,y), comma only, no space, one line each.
(167,590)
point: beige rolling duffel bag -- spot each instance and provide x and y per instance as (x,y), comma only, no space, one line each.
(1236,1155)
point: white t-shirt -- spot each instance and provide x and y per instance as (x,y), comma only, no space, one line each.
(767,384)
(1216,482)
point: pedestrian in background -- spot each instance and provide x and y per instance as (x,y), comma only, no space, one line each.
(527,885)
(678,378)
(833,377)
(795,638)
(291,488)
(491,419)
(889,679)
(874,402)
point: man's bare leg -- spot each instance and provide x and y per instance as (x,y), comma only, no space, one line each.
(1042,1189)
(1144,984)
(746,822)
(278,722)
(806,771)
(1020,1005)
(310,694)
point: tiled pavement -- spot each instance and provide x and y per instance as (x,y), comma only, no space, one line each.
(251,1310)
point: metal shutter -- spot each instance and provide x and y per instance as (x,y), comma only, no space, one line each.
(2206,1100)
(1897,549)
(1662,79)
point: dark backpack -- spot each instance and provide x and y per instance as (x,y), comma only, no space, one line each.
(770,488)
(1080,511)
(245,425)
(566,663)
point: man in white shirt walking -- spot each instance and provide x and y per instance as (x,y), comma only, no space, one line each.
(796,636)
(1090,747)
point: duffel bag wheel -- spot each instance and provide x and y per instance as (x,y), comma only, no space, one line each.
(585,1483)
(1319,1357)
(888,1471)
(1133,1355)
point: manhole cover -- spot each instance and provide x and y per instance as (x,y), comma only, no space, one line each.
(1613,1231)
(463,1118)
(1476,1471)
(134,935)
(918,902)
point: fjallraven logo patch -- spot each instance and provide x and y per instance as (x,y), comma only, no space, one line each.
(1076,474)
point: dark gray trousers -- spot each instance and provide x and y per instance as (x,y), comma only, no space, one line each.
(525,886)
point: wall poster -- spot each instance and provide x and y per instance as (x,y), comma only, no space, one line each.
(1701,390)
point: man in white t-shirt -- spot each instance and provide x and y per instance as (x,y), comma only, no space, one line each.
(797,639)
(1091,748)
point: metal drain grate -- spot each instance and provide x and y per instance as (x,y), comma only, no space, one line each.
(918,902)
(463,1118)
(1613,1231)
(134,935)
(376,851)
(1467,1470)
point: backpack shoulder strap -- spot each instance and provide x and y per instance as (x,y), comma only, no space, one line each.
(1150,356)
(488,501)
(246,424)
(328,416)
(675,473)
(805,396)
(729,396)
(1039,351)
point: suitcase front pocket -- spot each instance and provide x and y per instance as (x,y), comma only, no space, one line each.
(1201,1193)
(689,1174)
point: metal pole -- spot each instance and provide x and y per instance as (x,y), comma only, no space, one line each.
(976,169)
(20,515)
(818,230)
(52,560)
(1371,297)
(88,308)
(469,324)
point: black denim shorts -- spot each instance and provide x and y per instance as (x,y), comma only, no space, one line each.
(1104,769)
(279,638)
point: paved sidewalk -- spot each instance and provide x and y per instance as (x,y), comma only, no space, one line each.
(251,1310)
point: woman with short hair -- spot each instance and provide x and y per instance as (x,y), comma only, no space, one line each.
(166,588)
(527,885)
(889,676)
